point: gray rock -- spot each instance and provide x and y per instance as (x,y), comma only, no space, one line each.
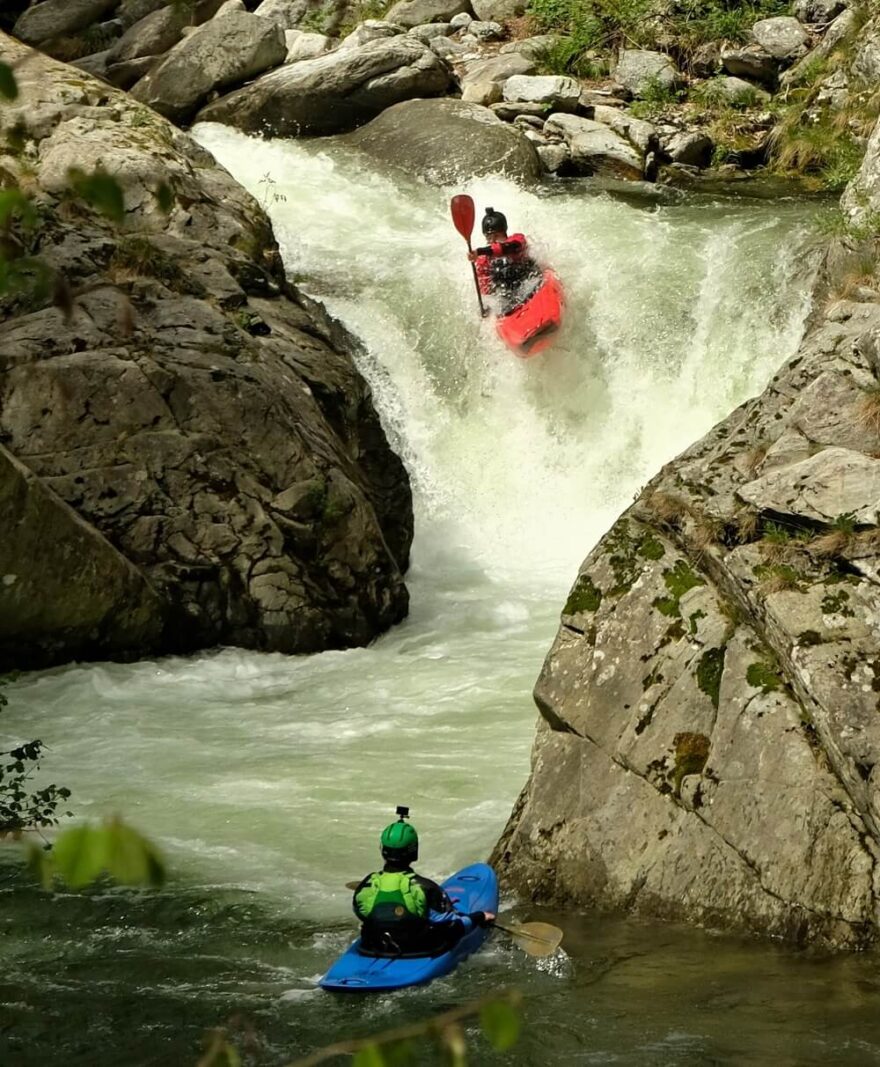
(510,112)
(737,92)
(430,30)
(783,37)
(560,93)
(706,60)
(865,66)
(751,62)
(835,481)
(151,36)
(637,70)
(371,30)
(444,141)
(191,415)
(65,591)
(302,45)
(483,80)
(461,21)
(861,199)
(533,47)
(691,147)
(95,65)
(554,157)
(132,11)
(600,98)
(335,92)
(230,7)
(637,131)
(57,18)
(446,49)
(817,11)
(410,13)
(486,31)
(215,56)
(499,10)
(288,14)
(125,74)
(596,149)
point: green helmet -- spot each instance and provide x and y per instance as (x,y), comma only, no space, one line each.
(399,841)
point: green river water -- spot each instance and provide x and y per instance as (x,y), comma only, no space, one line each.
(266,779)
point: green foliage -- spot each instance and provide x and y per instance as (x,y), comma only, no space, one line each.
(654,99)
(710,668)
(84,854)
(691,754)
(584,596)
(8,84)
(834,222)
(698,22)
(22,807)
(763,676)
(100,190)
(845,524)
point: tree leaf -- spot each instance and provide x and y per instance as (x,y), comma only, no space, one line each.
(101,190)
(369,1056)
(500,1024)
(8,84)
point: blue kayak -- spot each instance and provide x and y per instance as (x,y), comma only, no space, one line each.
(474,888)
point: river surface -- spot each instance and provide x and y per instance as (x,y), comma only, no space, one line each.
(266,779)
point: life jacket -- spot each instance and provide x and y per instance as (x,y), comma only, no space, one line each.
(392,898)
(508,266)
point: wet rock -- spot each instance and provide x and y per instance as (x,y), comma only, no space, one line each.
(751,62)
(178,405)
(690,147)
(560,93)
(783,37)
(410,13)
(596,149)
(335,92)
(215,56)
(554,157)
(57,18)
(637,70)
(637,131)
(444,141)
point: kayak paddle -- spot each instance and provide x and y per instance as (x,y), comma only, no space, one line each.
(463,215)
(535,939)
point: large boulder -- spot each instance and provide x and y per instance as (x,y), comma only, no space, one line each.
(555,91)
(57,18)
(189,406)
(65,591)
(751,62)
(709,743)
(335,92)
(821,11)
(151,36)
(288,14)
(483,80)
(221,53)
(499,10)
(637,71)
(371,30)
(304,45)
(410,13)
(447,141)
(596,149)
(861,200)
(783,37)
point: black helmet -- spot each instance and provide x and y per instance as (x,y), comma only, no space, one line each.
(494,221)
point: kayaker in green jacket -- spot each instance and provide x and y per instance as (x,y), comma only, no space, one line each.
(402,913)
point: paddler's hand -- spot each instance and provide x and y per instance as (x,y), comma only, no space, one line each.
(482,918)
(472,256)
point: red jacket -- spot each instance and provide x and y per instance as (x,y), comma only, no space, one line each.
(501,262)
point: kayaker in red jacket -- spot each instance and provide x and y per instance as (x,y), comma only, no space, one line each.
(505,270)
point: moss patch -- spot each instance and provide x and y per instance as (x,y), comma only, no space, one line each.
(710,668)
(763,676)
(837,604)
(691,754)
(584,596)
(137,257)
(678,580)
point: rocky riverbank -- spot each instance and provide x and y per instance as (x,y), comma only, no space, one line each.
(709,741)
(188,458)
(656,91)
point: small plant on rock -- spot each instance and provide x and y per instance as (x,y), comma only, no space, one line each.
(869,410)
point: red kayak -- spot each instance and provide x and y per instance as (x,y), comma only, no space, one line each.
(532,325)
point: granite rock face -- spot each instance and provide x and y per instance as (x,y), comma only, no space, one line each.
(184,401)
(709,741)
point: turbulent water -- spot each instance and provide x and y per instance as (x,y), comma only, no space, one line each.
(266,779)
